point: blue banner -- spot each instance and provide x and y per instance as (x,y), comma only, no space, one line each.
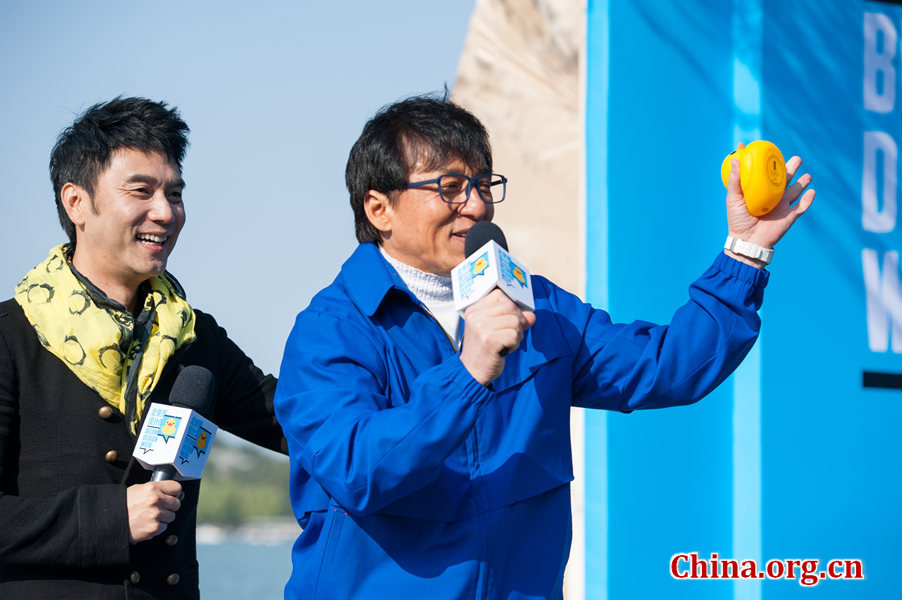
(795,461)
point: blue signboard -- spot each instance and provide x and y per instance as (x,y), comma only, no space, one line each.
(795,461)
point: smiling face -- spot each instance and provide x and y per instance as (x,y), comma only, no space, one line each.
(419,228)
(127,230)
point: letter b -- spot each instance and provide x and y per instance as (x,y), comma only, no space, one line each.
(878,63)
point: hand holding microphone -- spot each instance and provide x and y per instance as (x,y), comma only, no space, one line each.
(174,442)
(494,328)
(494,293)
(151,507)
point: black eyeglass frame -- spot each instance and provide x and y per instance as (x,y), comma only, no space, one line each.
(471,183)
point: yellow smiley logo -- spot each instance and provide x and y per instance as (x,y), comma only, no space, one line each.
(480,266)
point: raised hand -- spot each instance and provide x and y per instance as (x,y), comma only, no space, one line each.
(769,228)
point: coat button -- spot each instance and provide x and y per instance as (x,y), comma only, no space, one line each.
(111,456)
(171,540)
(105,412)
(135,577)
(173,579)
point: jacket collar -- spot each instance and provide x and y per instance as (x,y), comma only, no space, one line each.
(369,278)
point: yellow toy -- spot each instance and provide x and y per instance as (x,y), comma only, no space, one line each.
(762,175)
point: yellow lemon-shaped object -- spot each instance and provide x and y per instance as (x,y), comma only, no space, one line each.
(762,175)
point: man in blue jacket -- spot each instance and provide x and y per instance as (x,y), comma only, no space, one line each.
(431,460)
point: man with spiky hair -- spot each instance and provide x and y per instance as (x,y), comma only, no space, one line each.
(95,334)
(432,460)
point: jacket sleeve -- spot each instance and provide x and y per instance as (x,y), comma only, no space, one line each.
(643,365)
(82,527)
(365,444)
(244,394)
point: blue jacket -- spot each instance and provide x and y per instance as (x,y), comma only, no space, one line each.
(412,480)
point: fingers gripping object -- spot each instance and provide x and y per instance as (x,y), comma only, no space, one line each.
(762,175)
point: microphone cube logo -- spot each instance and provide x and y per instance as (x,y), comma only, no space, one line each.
(489,267)
(174,435)
(480,265)
(466,278)
(200,437)
(510,272)
(170,427)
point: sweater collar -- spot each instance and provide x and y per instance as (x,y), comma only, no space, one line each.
(427,287)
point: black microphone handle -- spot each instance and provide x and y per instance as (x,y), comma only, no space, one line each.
(164,473)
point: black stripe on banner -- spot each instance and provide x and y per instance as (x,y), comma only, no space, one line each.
(876,379)
(886,1)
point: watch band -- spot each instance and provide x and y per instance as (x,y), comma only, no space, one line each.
(749,249)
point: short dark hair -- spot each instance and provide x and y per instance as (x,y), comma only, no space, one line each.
(84,149)
(430,128)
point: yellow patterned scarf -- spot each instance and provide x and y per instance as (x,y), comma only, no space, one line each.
(118,355)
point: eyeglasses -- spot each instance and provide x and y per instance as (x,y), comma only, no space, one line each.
(455,188)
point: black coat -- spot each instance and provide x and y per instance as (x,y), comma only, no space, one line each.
(64,468)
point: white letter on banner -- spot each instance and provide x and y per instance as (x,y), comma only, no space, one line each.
(884,302)
(872,218)
(882,62)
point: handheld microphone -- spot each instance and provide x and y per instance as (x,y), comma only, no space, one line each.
(175,439)
(481,234)
(488,266)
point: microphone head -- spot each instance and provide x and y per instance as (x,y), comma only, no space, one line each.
(481,234)
(193,388)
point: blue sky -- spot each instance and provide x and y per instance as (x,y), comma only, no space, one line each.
(275,93)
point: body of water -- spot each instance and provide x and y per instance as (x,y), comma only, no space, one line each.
(236,569)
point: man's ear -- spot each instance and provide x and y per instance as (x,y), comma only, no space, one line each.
(76,203)
(378,208)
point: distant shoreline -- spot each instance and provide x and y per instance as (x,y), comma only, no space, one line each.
(269,531)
